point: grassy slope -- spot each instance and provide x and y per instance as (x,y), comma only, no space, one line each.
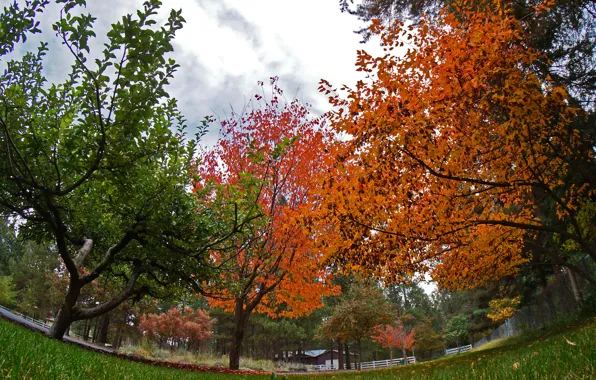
(534,355)
(28,355)
(538,355)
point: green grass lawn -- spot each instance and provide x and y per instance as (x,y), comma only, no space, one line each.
(566,352)
(29,355)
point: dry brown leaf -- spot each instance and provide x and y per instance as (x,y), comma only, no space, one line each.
(569,342)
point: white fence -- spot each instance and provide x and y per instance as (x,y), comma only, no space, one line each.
(458,350)
(387,363)
(26,317)
(370,365)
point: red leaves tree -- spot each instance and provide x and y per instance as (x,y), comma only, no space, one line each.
(266,163)
(395,336)
(176,328)
(459,159)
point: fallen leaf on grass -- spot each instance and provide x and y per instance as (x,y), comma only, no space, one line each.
(569,342)
(515,365)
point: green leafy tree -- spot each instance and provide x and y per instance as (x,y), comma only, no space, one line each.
(37,280)
(428,340)
(98,164)
(410,299)
(357,315)
(7,291)
(387,11)
(11,249)
(457,329)
(473,304)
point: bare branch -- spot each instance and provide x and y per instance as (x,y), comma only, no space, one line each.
(83,253)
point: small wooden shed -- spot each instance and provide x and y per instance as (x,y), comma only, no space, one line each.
(324,357)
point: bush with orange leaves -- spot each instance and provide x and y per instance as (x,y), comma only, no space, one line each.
(177,328)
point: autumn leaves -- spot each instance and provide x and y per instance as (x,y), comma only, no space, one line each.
(452,153)
(265,168)
(456,149)
(459,156)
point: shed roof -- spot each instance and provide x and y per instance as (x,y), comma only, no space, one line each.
(314,353)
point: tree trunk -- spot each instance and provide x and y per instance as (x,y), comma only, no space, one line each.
(253,343)
(403,354)
(96,329)
(347,349)
(548,290)
(339,355)
(102,336)
(241,316)
(575,287)
(64,318)
(331,353)
(86,330)
(391,353)
(67,313)
(359,355)
(60,325)
(116,342)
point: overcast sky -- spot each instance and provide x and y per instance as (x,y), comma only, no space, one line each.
(226,46)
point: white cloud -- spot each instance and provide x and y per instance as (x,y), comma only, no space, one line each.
(227,46)
(301,42)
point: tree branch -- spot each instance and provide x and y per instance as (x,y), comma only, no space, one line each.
(129,291)
(537,227)
(83,253)
(100,149)
(109,257)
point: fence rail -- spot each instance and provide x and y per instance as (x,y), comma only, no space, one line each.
(26,317)
(555,300)
(458,350)
(370,365)
(387,363)
(37,321)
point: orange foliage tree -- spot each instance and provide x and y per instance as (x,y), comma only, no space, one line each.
(268,159)
(454,154)
(395,336)
(177,328)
